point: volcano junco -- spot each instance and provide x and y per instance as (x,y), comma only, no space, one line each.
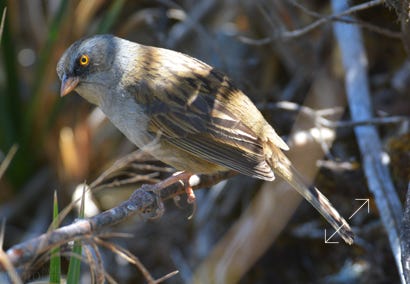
(184,112)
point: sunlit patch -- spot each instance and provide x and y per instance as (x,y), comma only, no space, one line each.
(323,133)
(385,158)
(68,150)
(317,134)
(301,137)
(91,209)
(194,180)
(176,14)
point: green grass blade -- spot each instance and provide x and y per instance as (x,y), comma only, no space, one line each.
(74,268)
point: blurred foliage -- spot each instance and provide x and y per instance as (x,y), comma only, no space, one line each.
(63,142)
(30,105)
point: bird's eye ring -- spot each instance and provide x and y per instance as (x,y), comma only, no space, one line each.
(84,60)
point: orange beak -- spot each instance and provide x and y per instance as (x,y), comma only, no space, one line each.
(68,84)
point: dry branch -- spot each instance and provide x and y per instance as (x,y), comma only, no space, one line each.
(324,19)
(146,199)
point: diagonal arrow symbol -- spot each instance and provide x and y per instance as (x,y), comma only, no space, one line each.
(327,240)
(364,203)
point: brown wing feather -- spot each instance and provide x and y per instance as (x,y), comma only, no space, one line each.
(199,122)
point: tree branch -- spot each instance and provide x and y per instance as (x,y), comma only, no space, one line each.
(146,199)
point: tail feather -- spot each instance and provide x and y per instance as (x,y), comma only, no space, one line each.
(316,198)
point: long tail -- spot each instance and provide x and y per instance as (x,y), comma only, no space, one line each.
(286,171)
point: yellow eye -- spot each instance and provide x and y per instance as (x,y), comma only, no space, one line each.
(84,60)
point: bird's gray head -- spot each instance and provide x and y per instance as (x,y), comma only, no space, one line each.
(88,67)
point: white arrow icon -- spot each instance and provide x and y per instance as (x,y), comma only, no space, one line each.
(366,201)
(327,240)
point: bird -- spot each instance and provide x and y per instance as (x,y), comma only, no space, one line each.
(184,112)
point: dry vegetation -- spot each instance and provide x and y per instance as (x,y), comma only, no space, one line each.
(286,57)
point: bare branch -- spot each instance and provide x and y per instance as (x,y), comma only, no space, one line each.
(146,199)
(323,19)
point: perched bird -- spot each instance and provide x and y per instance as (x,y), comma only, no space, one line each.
(190,115)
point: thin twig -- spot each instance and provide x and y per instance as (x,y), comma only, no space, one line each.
(167,276)
(128,256)
(373,121)
(2,232)
(149,178)
(7,160)
(323,20)
(189,22)
(99,266)
(127,167)
(8,266)
(360,7)
(86,251)
(4,261)
(3,18)
(119,164)
(319,115)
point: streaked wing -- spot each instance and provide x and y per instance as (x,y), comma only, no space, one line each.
(189,114)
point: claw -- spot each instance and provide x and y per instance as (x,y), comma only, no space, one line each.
(177,199)
(193,211)
(191,195)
